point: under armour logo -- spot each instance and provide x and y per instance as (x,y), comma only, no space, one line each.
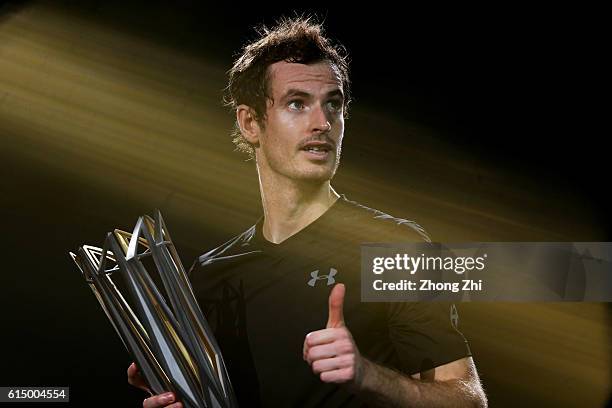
(315,277)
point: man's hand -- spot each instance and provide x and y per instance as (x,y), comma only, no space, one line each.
(155,401)
(333,355)
(331,352)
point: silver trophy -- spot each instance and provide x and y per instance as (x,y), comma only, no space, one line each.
(166,333)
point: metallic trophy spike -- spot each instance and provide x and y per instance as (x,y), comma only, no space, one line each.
(169,337)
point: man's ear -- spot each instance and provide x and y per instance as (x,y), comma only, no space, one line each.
(249,127)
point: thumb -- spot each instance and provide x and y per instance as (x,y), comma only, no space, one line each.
(336,304)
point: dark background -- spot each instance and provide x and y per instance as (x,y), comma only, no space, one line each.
(517,91)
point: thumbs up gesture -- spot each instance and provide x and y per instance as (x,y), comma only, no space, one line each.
(331,352)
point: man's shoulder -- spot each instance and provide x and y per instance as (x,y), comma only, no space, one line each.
(351,222)
(369,224)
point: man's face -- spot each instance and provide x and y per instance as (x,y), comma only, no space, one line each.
(302,136)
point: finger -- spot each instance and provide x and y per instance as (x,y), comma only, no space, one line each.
(342,375)
(336,302)
(132,370)
(325,336)
(136,380)
(321,352)
(330,364)
(175,405)
(158,401)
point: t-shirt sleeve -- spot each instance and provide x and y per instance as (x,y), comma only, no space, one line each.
(425,335)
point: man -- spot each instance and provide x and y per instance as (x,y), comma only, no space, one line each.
(283,297)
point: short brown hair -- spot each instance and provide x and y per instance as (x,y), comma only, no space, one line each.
(298,40)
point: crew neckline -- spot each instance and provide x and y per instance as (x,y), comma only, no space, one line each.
(268,245)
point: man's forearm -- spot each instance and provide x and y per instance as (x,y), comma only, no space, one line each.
(383,387)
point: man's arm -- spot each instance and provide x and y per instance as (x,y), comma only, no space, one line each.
(455,384)
(333,355)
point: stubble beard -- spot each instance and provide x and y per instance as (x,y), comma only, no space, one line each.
(317,176)
(304,173)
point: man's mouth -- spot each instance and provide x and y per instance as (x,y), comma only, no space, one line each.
(317,147)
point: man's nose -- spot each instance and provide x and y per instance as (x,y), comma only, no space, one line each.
(320,122)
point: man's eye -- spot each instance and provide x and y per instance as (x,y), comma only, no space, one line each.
(334,106)
(296,105)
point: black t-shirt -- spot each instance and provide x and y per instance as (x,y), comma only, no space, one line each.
(261,299)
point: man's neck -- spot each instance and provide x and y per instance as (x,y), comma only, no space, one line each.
(289,205)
